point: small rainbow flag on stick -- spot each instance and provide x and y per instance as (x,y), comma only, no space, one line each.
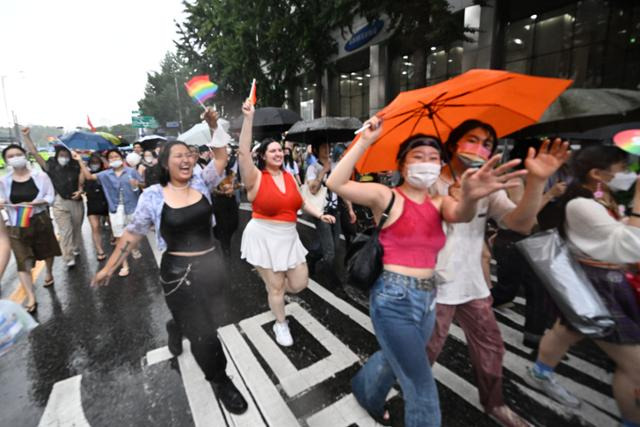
(252,94)
(200,88)
(23,216)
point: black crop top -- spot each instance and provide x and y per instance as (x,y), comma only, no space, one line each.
(187,229)
(22,192)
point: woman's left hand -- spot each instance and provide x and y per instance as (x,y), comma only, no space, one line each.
(478,183)
(329,219)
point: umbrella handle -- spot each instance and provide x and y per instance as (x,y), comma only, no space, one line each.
(363,128)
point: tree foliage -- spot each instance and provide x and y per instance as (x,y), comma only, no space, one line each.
(280,41)
(160,97)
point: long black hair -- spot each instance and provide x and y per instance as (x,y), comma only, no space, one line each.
(261,151)
(581,163)
(163,162)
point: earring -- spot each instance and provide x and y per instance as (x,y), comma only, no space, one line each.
(598,194)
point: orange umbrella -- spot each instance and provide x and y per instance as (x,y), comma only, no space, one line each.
(507,101)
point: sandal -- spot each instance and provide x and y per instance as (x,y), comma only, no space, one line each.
(124,272)
(101,256)
(48,282)
(32,308)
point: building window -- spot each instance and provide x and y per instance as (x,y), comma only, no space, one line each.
(442,64)
(407,74)
(593,42)
(354,94)
(307,94)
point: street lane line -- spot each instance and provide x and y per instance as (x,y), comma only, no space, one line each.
(64,407)
(345,412)
(203,403)
(252,417)
(518,366)
(264,392)
(292,380)
(159,355)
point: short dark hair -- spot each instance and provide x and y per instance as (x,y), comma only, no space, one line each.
(98,157)
(9,147)
(419,140)
(137,143)
(261,151)
(113,150)
(315,147)
(464,127)
(203,149)
(163,161)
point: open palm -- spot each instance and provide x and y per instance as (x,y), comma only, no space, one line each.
(478,183)
(548,159)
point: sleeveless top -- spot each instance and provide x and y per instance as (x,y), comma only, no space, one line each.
(272,204)
(415,238)
(187,229)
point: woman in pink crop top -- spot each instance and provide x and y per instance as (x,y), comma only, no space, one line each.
(402,300)
(270,241)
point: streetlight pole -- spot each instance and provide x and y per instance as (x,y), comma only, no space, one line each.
(175,82)
(6,107)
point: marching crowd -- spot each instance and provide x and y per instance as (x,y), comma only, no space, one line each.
(452,206)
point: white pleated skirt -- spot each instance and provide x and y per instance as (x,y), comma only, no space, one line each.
(272,245)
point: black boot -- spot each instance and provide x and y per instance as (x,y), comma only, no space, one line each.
(229,395)
(175,338)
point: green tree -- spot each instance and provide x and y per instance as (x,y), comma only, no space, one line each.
(160,97)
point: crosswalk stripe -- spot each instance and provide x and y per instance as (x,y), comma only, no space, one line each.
(64,407)
(266,395)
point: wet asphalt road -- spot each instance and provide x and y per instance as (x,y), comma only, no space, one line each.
(105,336)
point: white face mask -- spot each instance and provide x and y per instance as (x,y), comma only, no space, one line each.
(63,161)
(422,175)
(94,167)
(115,164)
(622,181)
(17,162)
(148,159)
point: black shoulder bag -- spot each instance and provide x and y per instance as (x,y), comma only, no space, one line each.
(364,264)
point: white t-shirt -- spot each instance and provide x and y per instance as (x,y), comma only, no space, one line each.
(312,173)
(460,261)
(593,232)
(293,170)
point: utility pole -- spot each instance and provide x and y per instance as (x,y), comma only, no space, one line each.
(175,81)
(6,107)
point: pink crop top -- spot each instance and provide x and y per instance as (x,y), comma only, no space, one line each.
(415,238)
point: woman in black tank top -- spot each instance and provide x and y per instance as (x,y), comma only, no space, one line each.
(192,275)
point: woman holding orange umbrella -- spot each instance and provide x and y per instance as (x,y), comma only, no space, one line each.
(403,298)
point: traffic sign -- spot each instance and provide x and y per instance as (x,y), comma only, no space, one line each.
(173,124)
(144,122)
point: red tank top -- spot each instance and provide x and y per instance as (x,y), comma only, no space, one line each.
(415,239)
(271,203)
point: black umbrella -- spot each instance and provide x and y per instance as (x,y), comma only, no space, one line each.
(604,133)
(324,129)
(579,110)
(268,122)
(150,142)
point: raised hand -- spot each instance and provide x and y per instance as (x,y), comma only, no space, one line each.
(26,132)
(548,159)
(76,156)
(248,109)
(478,183)
(211,117)
(371,134)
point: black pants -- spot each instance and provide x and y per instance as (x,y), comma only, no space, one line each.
(190,285)
(513,272)
(226,212)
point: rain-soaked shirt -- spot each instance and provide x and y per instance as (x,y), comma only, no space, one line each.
(149,210)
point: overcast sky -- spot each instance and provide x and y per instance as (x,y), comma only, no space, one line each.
(64,59)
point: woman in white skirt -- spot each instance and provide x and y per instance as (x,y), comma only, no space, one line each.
(270,241)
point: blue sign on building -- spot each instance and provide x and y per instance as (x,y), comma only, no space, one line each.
(364,35)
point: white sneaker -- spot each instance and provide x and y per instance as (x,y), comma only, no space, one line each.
(283,336)
(71,263)
(76,252)
(551,388)
(136,254)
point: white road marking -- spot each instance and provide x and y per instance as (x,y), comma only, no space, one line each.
(158,355)
(343,413)
(292,380)
(266,395)
(204,406)
(64,407)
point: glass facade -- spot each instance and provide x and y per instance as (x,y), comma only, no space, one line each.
(354,94)
(306,96)
(595,43)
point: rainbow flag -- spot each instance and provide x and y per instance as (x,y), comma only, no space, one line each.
(200,88)
(23,216)
(253,97)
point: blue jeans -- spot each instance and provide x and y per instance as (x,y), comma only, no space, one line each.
(403,318)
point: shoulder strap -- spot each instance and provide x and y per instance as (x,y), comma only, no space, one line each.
(385,214)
